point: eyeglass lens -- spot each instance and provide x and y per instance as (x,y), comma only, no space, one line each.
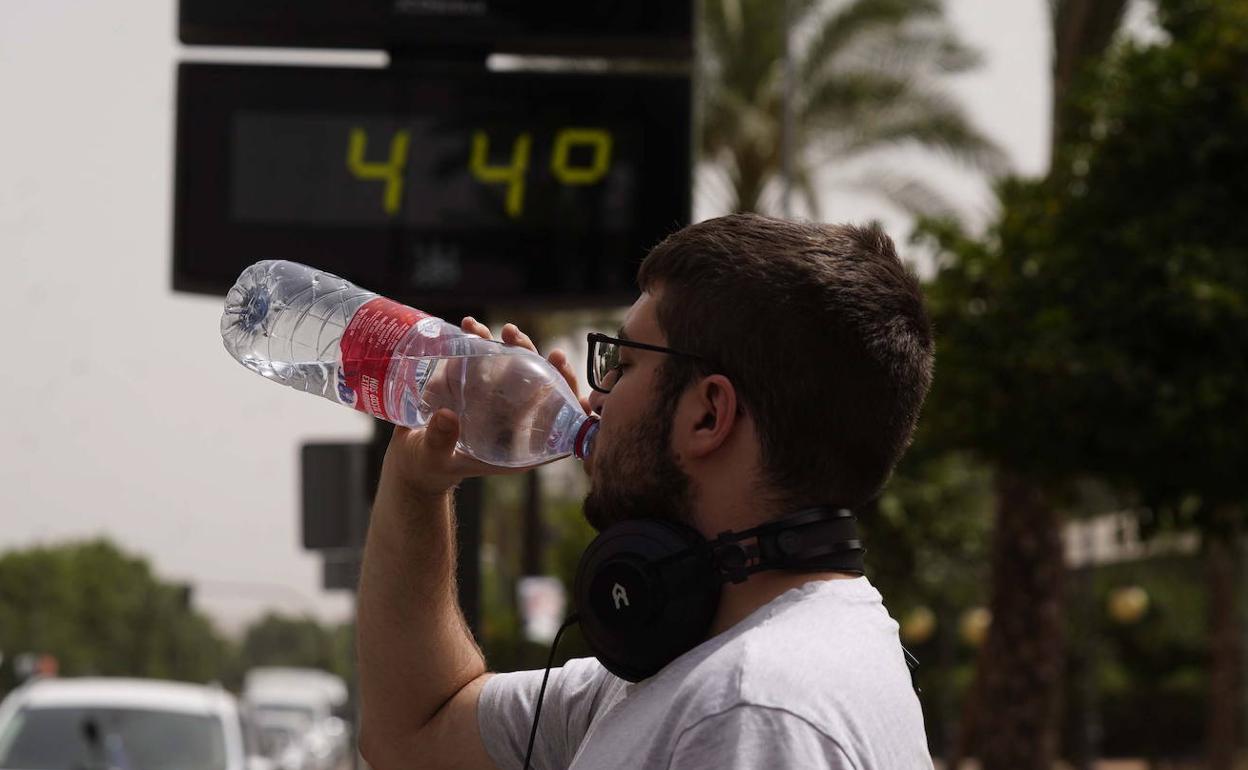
(606,360)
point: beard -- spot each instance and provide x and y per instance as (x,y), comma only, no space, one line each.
(640,478)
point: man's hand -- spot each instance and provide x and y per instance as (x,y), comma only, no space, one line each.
(426,460)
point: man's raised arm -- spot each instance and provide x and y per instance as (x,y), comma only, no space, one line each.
(420,669)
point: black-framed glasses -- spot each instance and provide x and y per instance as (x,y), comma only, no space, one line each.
(604,358)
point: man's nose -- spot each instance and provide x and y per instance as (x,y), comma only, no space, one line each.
(595,401)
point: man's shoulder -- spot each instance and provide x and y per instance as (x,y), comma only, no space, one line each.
(828,659)
(815,651)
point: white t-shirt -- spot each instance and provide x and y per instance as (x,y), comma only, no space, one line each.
(814,679)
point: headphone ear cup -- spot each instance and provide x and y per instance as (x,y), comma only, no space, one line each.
(645,594)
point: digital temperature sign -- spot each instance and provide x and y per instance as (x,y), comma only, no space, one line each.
(430,182)
(585,27)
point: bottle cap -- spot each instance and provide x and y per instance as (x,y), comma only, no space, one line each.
(584,443)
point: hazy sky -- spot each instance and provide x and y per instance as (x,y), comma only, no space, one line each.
(123,415)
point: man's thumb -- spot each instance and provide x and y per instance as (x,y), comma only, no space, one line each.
(443,430)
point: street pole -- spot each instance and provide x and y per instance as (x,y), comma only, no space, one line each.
(1240,542)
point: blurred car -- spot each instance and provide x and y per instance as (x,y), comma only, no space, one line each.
(128,724)
(286,741)
(300,701)
(329,688)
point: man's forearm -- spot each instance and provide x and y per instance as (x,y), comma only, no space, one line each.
(415,650)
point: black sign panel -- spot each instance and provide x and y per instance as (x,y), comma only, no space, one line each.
(608,27)
(341,569)
(335,499)
(432,185)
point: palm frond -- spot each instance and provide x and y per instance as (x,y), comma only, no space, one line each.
(851,22)
(907,193)
(746,42)
(930,120)
(848,98)
(726,115)
(928,49)
(863,82)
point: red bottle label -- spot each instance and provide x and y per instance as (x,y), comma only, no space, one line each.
(367,347)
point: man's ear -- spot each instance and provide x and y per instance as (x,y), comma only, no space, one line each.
(709,415)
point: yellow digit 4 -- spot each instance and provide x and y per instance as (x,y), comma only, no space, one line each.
(390,172)
(568,138)
(511,175)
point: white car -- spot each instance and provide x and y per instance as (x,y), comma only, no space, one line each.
(317,684)
(127,724)
(301,701)
(291,742)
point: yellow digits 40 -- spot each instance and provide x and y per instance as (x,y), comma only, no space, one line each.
(599,162)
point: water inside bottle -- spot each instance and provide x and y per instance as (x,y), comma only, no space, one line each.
(514,410)
(309,376)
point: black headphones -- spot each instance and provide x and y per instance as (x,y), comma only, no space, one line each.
(647,590)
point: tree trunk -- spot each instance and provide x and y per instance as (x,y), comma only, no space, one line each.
(968,722)
(1082,30)
(1020,672)
(1224,673)
(749,178)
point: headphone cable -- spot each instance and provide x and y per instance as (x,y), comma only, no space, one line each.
(537,713)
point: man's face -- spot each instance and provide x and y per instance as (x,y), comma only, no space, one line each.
(634,473)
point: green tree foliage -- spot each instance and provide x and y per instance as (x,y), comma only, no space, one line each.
(101,612)
(927,544)
(302,642)
(931,526)
(1154,188)
(1102,324)
(1100,327)
(1150,675)
(864,80)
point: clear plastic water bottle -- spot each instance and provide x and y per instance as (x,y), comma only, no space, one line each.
(319,333)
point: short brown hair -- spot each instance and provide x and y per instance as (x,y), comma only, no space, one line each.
(821,330)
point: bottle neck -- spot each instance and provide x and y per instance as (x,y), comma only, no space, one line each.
(586,432)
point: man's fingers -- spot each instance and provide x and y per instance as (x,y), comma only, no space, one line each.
(513,336)
(559,360)
(473,326)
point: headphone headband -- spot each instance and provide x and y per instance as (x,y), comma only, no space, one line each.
(814,540)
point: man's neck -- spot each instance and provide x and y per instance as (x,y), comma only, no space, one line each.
(738,600)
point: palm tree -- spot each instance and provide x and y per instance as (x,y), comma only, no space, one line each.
(862,74)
